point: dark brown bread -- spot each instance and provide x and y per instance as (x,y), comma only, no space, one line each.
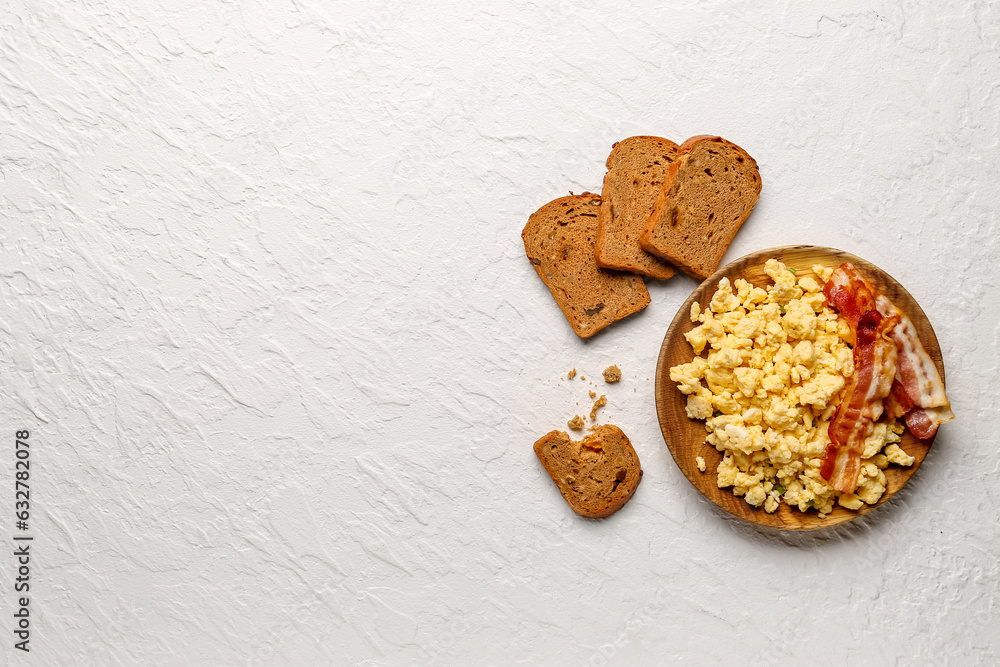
(559,242)
(596,475)
(636,169)
(707,195)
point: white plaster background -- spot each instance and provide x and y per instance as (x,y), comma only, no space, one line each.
(265,309)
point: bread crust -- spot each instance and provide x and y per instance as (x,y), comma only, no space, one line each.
(559,242)
(636,169)
(693,221)
(596,475)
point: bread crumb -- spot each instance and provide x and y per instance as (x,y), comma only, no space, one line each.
(571,374)
(593,394)
(602,401)
(576,422)
(582,377)
(612,374)
(700,461)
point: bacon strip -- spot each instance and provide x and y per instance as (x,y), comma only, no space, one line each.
(861,406)
(918,390)
(849,294)
(892,371)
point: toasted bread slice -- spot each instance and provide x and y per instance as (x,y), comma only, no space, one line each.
(636,169)
(559,242)
(596,475)
(707,195)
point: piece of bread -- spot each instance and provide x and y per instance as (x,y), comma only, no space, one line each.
(707,195)
(559,242)
(636,169)
(612,374)
(596,475)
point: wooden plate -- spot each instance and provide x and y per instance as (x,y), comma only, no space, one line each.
(686,437)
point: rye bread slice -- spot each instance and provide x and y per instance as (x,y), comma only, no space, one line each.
(559,242)
(707,195)
(596,475)
(636,169)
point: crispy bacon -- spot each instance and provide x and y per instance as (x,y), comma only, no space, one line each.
(918,390)
(892,371)
(923,422)
(861,406)
(849,294)
(898,402)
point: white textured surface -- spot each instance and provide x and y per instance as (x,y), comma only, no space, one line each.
(267,314)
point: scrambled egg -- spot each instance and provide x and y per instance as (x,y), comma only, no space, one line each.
(778,359)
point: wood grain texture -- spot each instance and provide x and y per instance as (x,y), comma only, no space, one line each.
(686,437)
